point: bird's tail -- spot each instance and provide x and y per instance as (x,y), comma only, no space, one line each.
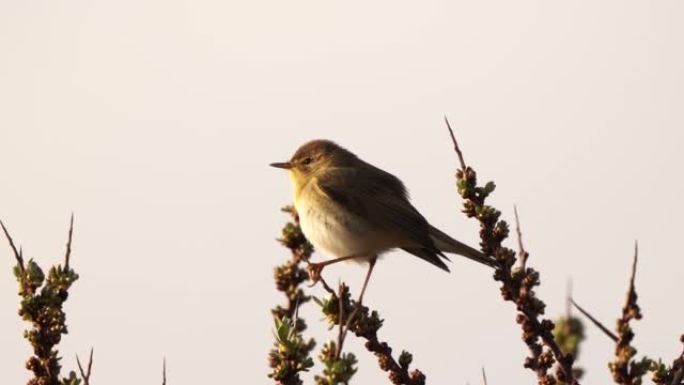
(449,245)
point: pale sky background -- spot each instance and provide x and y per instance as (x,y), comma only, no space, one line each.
(154,122)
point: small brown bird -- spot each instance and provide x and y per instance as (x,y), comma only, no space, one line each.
(351,209)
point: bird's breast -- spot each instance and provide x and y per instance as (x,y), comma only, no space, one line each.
(336,231)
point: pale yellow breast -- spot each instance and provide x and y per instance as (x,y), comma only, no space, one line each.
(334,230)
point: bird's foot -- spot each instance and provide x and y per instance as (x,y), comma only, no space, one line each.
(315,270)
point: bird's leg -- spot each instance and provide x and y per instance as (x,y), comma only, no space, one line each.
(315,269)
(371,265)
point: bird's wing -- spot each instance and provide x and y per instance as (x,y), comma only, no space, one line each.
(381,199)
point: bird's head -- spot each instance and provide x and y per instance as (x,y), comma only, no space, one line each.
(314,158)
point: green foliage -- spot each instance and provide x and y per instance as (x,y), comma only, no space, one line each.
(291,353)
(42,301)
(338,369)
(364,323)
(569,334)
(71,380)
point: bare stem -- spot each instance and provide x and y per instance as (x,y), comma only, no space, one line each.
(85,375)
(455,142)
(17,253)
(596,322)
(522,254)
(67,254)
(164,372)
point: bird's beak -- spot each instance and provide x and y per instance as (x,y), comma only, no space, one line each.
(285,165)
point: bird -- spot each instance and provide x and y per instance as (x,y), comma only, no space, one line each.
(352,210)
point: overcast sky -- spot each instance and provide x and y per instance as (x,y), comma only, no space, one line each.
(154,122)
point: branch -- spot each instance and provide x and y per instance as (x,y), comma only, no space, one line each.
(517,285)
(85,375)
(163,372)
(17,254)
(456,148)
(67,254)
(522,254)
(344,328)
(42,300)
(365,323)
(596,322)
(624,369)
(290,354)
(339,367)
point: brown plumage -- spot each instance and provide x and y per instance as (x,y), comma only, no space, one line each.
(350,208)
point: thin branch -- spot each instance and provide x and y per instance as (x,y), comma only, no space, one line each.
(68,245)
(341,334)
(85,375)
(631,294)
(568,299)
(484,376)
(521,249)
(596,322)
(344,330)
(17,253)
(164,372)
(456,148)
(624,369)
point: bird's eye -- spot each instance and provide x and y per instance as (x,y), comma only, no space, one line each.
(307,161)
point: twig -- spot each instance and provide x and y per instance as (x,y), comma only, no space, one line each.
(85,375)
(568,299)
(343,324)
(522,254)
(596,322)
(631,294)
(344,330)
(67,254)
(164,372)
(341,333)
(17,254)
(484,376)
(624,369)
(456,148)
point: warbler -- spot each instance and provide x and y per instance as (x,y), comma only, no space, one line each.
(353,210)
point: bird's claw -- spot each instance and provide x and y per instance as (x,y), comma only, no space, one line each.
(314,270)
